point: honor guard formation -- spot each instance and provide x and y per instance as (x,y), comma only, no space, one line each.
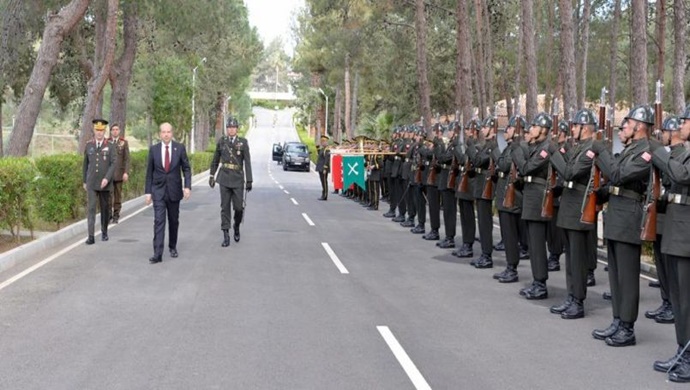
(548,180)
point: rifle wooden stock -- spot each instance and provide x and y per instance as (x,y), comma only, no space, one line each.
(465,179)
(547,202)
(648,228)
(589,208)
(487,192)
(418,174)
(431,179)
(509,198)
(453,175)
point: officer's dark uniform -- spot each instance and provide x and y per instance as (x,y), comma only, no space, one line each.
(407,194)
(433,196)
(98,165)
(415,190)
(627,178)
(447,194)
(232,162)
(424,157)
(122,164)
(391,172)
(376,164)
(465,200)
(323,162)
(555,236)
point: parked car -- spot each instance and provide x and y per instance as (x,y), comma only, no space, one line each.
(296,155)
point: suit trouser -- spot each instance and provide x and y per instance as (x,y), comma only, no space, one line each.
(592,243)
(678,282)
(420,199)
(160,209)
(555,236)
(323,176)
(486,225)
(393,198)
(524,235)
(510,223)
(434,199)
(661,267)
(410,200)
(231,199)
(450,212)
(375,193)
(536,231)
(624,278)
(402,202)
(576,262)
(103,198)
(117,199)
(468,225)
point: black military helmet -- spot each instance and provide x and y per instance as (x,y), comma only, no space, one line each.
(642,113)
(563,126)
(513,122)
(686,114)
(473,124)
(585,117)
(543,120)
(489,122)
(232,122)
(672,123)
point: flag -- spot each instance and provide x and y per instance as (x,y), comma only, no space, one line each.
(353,171)
(337,171)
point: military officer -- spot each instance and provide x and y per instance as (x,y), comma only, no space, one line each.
(323,162)
(406,180)
(423,160)
(555,236)
(447,194)
(433,196)
(676,165)
(232,170)
(98,170)
(415,192)
(122,164)
(465,191)
(627,175)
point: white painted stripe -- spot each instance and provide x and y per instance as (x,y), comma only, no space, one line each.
(281,187)
(306,218)
(334,258)
(286,191)
(294,201)
(410,369)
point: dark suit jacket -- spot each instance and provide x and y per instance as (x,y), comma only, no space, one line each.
(168,185)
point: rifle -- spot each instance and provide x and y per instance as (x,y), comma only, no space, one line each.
(589,204)
(547,202)
(463,187)
(431,179)
(487,192)
(648,226)
(453,175)
(509,198)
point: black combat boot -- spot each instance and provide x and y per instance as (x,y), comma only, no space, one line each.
(554,263)
(236,227)
(501,274)
(652,314)
(465,251)
(666,365)
(524,254)
(511,275)
(602,334)
(624,336)
(419,229)
(574,311)
(484,262)
(681,372)
(523,291)
(408,223)
(606,295)
(590,278)
(389,214)
(432,235)
(500,246)
(226,238)
(447,243)
(399,218)
(559,309)
(90,241)
(538,291)
(666,316)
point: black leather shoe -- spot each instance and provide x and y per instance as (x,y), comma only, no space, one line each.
(374,207)
(173,253)
(236,235)
(431,236)
(523,291)
(399,218)
(559,309)
(484,262)
(465,251)
(511,276)
(524,255)
(606,295)
(419,229)
(681,372)
(500,246)
(155,259)
(591,281)
(116,220)
(90,241)
(574,311)
(602,334)
(390,214)
(226,238)
(501,274)
(322,198)
(654,283)
(666,365)
(652,314)
(554,263)
(666,317)
(537,292)
(447,243)
(104,237)
(407,223)
(624,336)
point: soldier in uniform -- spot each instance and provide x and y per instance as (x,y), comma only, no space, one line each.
(575,166)
(97,173)
(323,162)
(414,175)
(405,173)
(422,160)
(391,171)
(555,236)
(447,194)
(232,167)
(433,196)
(627,177)
(675,164)
(376,164)
(532,162)
(121,174)
(465,198)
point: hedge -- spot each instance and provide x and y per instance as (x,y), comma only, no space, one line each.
(17,190)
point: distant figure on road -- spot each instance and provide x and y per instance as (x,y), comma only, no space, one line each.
(323,166)
(97,175)
(167,161)
(121,175)
(231,167)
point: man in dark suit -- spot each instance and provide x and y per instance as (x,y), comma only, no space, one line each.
(166,162)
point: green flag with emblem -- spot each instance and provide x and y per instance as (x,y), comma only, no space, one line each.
(353,171)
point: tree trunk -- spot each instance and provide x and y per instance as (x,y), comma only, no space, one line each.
(638,53)
(551,54)
(422,77)
(348,98)
(337,110)
(488,55)
(565,8)
(660,38)
(463,73)
(2,153)
(221,109)
(613,66)
(679,60)
(479,59)
(95,85)
(530,56)
(355,91)
(58,26)
(518,66)
(121,73)
(582,55)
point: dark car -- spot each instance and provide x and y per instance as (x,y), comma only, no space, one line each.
(296,155)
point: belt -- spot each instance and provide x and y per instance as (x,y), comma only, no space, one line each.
(478,170)
(535,179)
(575,185)
(679,199)
(231,166)
(630,194)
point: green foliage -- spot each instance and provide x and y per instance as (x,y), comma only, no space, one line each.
(307,140)
(200,161)
(377,127)
(60,194)
(171,91)
(136,182)
(17,189)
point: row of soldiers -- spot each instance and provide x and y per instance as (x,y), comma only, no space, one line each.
(540,183)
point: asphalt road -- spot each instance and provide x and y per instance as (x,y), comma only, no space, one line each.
(316,295)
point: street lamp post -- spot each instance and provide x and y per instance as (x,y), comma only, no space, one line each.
(191,142)
(326,96)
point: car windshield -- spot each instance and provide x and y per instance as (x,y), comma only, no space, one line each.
(297,148)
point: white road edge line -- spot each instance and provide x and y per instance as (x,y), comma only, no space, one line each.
(306,218)
(286,192)
(281,187)
(410,369)
(334,258)
(294,201)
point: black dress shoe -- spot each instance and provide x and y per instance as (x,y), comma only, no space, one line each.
(501,274)
(90,241)
(559,309)
(419,229)
(590,279)
(431,236)
(554,263)
(155,259)
(606,295)
(104,237)
(389,214)
(537,292)
(399,218)
(666,317)
(523,291)
(524,254)
(654,283)
(624,336)
(226,238)
(681,372)
(407,223)
(447,243)
(666,365)
(574,311)
(173,253)
(484,262)
(116,220)
(500,246)
(652,314)
(322,198)
(465,251)
(236,235)
(373,207)
(511,276)
(602,334)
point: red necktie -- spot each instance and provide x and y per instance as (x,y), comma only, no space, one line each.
(167,158)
